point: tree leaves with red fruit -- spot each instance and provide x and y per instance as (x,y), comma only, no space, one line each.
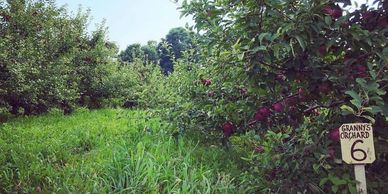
(310,56)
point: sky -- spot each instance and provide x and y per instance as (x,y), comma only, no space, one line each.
(135,21)
(131,21)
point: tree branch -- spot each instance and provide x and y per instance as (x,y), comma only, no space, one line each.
(381,70)
(331,105)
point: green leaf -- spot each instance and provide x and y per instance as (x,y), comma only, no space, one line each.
(357,101)
(376,99)
(301,42)
(346,110)
(381,92)
(346,176)
(246,159)
(334,189)
(352,188)
(323,182)
(337,181)
(385,109)
(276,49)
(361,81)
(353,94)
(385,54)
(328,20)
(240,56)
(292,48)
(314,188)
(373,86)
(264,35)
(259,48)
(371,119)
(375,109)
(275,36)
(344,191)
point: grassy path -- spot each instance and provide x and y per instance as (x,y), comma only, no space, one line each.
(109,150)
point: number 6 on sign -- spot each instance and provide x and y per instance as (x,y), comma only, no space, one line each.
(358,150)
(357,143)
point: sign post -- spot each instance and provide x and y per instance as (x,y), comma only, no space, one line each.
(359,172)
(357,148)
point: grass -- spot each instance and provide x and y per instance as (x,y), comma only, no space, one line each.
(109,151)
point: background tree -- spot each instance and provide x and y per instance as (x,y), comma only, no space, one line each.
(150,52)
(93,68)
(172,47)
(132,52)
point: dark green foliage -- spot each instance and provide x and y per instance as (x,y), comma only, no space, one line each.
(132,52)
(171,48)
(180,40)
(146,53)
(150,52)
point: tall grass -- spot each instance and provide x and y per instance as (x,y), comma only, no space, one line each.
(108,151)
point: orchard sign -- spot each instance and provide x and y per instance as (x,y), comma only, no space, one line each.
(357,143)
(357,148)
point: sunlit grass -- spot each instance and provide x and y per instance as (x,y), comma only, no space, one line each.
(109,150)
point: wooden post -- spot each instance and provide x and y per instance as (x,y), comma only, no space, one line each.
(359,172)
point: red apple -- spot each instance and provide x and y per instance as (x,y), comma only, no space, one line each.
(383,22)
(301,94)
(259,116)
(360,68)
(291,101)
(322,50)
(324,87)
(330,152)
(275,172)
(251,123)
(211,94)
(280,77)
(314,112)
(210,13)
(5,17)
(38,189)
(361,71)
(293,109)
(349,58)
(334,135)
(370,15)
(333,11)
(228,128)
(264,111)
(259,149)
(278,107)
(243,91)
(206,82)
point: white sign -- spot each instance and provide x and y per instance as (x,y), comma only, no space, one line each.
(357,143)
(357,148)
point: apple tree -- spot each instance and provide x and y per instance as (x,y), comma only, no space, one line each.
(48,59)
(37,44)
(298,69)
